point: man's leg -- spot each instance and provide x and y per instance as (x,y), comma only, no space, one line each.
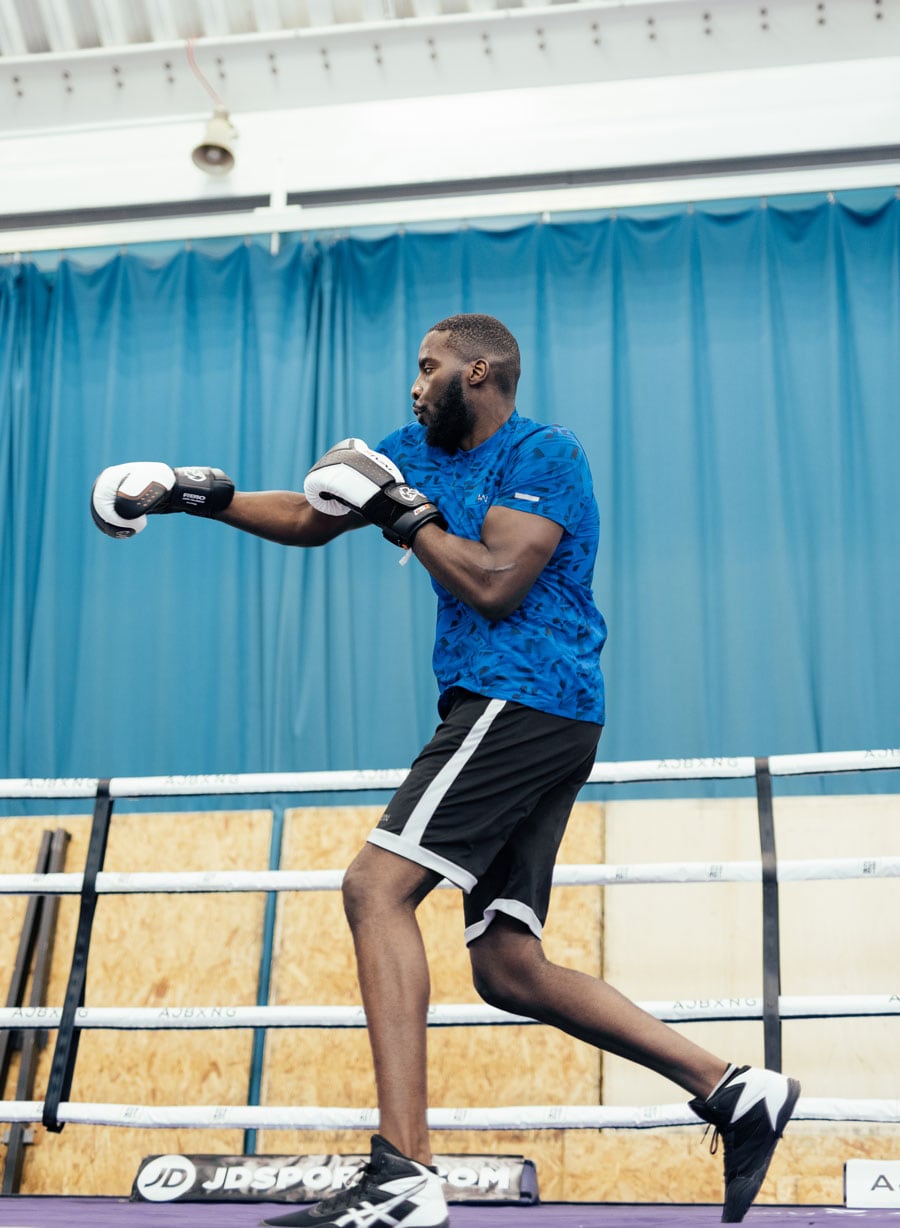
(381,894)
(748,1107)
(511,971)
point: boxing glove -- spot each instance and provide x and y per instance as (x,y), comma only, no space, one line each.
(351,477)
(123,496)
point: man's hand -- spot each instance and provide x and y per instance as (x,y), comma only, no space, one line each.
(351,477)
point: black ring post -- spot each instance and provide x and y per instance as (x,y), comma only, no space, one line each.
(771,939)
(34,1040)
(10,1039)
(63,1067)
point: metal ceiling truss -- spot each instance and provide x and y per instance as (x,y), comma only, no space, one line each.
(38,27)
(377,55)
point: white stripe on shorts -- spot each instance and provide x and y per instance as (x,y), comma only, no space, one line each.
(423,857)
(433,796)
(512,908)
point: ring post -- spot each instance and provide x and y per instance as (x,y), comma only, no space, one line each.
(771,938)
(63,1066)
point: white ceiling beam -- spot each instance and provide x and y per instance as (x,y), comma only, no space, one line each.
(426,8)
(110,25)
(214,17)
(375,10)
(161,19)
(58,25)
(321,12)
(266,15)
(12,36)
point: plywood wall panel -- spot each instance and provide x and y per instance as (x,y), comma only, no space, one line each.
(98,1160)
(20,840)
(152,950)
(705,941)
(641,1166)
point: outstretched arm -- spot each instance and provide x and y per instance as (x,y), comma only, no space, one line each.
(124,496)
(492,575)
(286,517)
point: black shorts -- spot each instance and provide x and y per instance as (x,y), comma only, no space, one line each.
(486,804)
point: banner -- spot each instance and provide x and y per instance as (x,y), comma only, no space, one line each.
(872,1183)
(310,1178)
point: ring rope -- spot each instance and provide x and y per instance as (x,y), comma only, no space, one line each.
(171,1017)
(548,1117)
(197,881)
(634,771)
(531,1117)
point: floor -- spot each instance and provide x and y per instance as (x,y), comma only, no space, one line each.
(22,1211)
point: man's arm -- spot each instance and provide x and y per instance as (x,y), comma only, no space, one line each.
(286,517)
(123,496)
(492,575)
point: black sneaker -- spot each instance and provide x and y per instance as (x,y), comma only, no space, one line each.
(390,1192)
(749,1109)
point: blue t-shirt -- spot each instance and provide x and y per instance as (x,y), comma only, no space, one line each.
(546,654)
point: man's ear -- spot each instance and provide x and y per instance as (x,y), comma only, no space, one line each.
(478,371)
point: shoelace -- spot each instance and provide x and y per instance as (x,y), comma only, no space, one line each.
(343,1198)
(714,1141)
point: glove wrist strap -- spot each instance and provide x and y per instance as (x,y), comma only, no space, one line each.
(402,531)
(200,492)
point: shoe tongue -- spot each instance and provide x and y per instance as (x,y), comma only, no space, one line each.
(381,1144)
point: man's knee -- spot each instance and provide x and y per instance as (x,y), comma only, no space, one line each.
(504,964)
(499,987)
(377,880)
(492,986)
(356,889)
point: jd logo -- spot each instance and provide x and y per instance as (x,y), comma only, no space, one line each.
(166,1178)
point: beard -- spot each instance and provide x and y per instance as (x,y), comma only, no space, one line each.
(452,419)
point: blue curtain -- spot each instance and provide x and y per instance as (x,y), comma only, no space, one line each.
(731,370)
(24,455)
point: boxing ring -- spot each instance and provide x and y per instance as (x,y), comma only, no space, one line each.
(769,1010)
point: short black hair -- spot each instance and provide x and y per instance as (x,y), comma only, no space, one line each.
(477,336)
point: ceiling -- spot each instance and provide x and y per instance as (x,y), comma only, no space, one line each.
(370,111)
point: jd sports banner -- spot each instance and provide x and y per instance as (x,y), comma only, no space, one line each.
(309,1178)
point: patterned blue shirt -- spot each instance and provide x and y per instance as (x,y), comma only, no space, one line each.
(546,654)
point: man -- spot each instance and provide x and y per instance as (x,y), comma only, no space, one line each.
(501,513)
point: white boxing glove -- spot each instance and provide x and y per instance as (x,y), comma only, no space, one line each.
(123,496)
(341,482)
(351,477)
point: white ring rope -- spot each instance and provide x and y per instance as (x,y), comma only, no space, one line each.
(685,1010)
(197,881)
(507,1118)
(548,1117)
(326,782)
